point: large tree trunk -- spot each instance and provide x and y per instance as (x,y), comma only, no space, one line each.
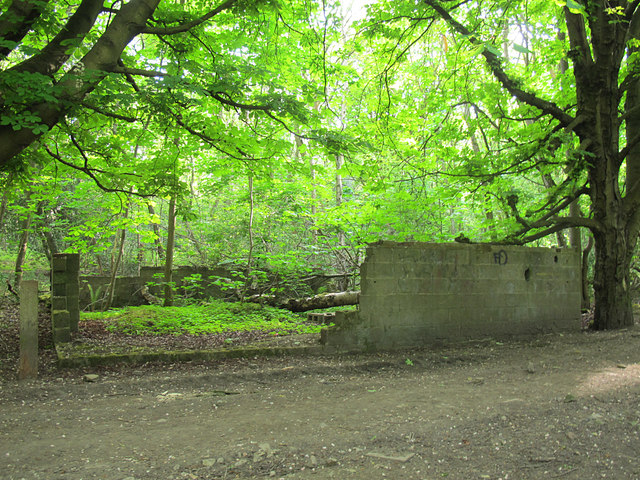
(611,281)
(598,97)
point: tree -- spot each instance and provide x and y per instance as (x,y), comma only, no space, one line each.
(145,57)
(579,127)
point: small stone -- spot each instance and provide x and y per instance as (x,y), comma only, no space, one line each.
(240,462)
(90,377)
(272,473)
(313,461)
(220,460)
(396,458)
(266,448)
(209,462)
(531,368)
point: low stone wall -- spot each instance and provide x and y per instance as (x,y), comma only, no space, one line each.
(128,290)
(416,294)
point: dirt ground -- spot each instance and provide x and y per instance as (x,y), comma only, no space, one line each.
(553,407)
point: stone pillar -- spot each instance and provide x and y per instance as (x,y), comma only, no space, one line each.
(28,366)
(65,287)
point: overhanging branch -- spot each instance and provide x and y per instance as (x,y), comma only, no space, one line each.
(494,64)
(109,114)
(16,22)
(561,223)
(189,25)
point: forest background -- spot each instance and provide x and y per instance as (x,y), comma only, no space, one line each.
(278,138)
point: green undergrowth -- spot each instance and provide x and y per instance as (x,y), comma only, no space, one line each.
(214,317)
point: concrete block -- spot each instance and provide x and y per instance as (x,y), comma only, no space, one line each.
(73,262)
(58,289)
(58,303)
(60,318)
(61,335)
(59,262)
(74,312)
(72,288)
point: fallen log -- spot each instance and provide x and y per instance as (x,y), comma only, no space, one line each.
(309,303)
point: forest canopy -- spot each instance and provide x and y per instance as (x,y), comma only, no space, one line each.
(282,136)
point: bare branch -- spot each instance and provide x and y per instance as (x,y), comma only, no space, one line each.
(109,114)
(242,106)
(189,25)
(91,173)
(138,71)
(494,64)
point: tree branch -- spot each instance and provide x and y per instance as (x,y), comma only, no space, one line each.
(242,106)
(57,51)
(16,21)
(109,114)
(580,52)
(90,172)
(138,71)
(494,64)
(83,78)
(562,223)
(189,25)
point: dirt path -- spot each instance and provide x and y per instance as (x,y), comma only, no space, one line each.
(558,407)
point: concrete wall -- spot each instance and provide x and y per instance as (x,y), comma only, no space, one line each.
(128,289)
(65,312)
(418,293)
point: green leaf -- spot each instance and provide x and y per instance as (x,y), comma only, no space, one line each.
(575,7)
(520,49)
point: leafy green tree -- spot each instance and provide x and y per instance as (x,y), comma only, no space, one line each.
(578,128)
(81,65)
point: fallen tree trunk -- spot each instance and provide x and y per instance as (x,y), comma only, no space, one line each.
(309,303)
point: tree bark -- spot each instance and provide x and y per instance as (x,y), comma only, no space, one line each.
(168,265)
(25,226)
(586,296)
(156,230)
(326,300)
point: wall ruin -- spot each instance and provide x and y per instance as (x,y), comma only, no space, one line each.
(415,294)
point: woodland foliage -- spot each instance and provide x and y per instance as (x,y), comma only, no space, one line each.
(289,134)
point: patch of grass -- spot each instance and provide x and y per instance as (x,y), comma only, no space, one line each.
(214,317)
(108,315)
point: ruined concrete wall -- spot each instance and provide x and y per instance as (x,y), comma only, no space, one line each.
(416,293)
(128,289)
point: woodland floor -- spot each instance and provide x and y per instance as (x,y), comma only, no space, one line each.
(557,406)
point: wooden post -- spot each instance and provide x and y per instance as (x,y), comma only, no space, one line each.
(28,367)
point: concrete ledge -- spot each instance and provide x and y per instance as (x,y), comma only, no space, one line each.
(67,359)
